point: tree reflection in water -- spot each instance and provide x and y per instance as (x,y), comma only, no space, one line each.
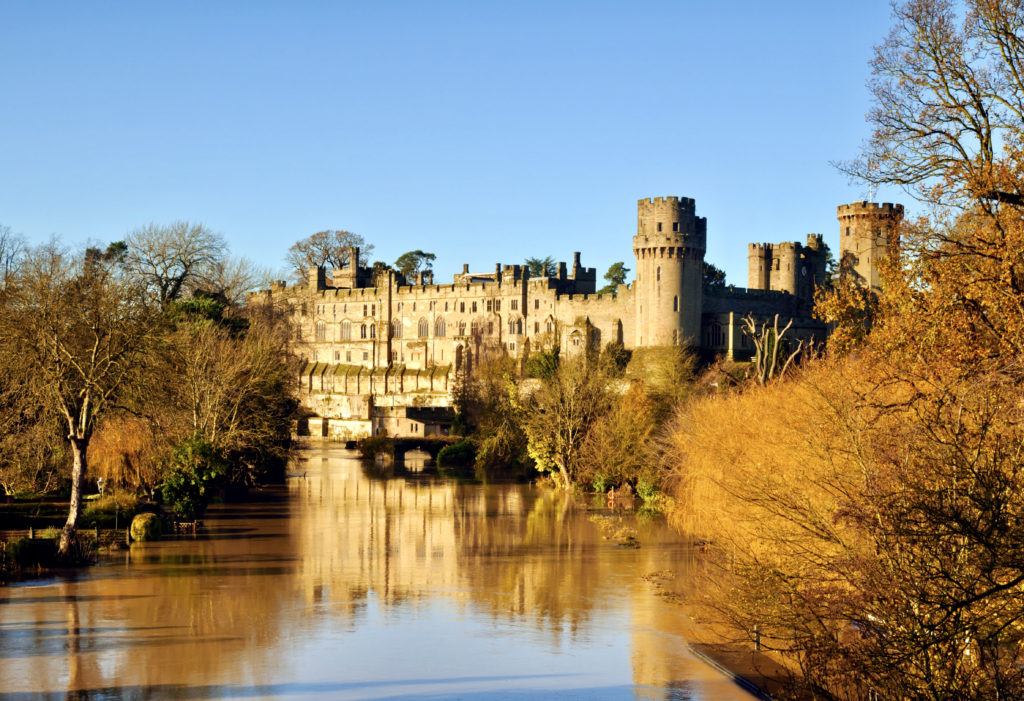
(359,583)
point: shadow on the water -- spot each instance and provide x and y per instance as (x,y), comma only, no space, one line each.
(181,691)
(72,598)
(58,646)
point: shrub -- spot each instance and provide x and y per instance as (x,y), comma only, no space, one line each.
(197,468)
(371,447)
(459,454)
(25,553)
(146,527)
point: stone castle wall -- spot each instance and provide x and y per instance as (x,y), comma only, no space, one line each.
(374,343)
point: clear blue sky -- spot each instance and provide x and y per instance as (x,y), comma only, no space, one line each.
(481,131)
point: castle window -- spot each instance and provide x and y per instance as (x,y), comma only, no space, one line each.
(462,307)
(490,306)
(346,330)
(536,304)
(462,328)
(431,306)
(373,310)
(348,356)
(364,310)
(321,331)
(659,226)
(423,329)
(511,346)
(847,231)
(675,226)
(659,273)
(474,307)
(396,328)
(511,327)
(439,328)
(334,310)
(399,306)
(490,328)
(514,304)
(675,303)
(550,327)
(414,306)
(366,355)
(373,331)
(446,306)
(394,356)
(474,327)
(337,356)
(497,305)
(315,355)
(362,331)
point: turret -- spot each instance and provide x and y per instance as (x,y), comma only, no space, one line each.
(669,247)
(867,231)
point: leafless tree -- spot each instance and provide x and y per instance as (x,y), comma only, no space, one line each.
(175,259)
(77,327)
(770,361)
(327,248)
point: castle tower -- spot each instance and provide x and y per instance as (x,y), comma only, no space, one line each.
(669,248)
(866,231)
(759,265)
(785,267)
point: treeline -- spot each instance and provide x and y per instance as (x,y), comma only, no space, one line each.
(866,514)
(139,364)
(593,421)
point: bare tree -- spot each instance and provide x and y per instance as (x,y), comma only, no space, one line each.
(175,259)
(770,361)
(77,326)
(948,89)
(235,277)
(12,250)
(327,248)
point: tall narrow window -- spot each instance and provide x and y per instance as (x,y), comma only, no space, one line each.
(396,328)
(675,226)
(439,329)
(321,331)
(362,331)
(659,273)
(675,303)
(373,331)
(423,328)
(659,226)
(346,330)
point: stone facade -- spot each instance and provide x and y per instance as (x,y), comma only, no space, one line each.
(383,353)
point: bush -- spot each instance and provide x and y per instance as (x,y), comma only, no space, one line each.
(25,553)
(197,468)
(459,454)
(146,527)
(371,447)
(103,509)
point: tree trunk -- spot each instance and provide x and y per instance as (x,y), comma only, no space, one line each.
(67,535)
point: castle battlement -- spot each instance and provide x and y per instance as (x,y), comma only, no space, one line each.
(873,208)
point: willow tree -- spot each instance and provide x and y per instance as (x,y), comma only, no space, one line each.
(77,326)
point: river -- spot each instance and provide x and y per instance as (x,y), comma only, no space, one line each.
(343,586)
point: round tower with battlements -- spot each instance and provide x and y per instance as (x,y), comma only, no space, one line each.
(866,232)
(669,247)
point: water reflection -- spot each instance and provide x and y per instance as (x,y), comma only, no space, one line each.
(352,584)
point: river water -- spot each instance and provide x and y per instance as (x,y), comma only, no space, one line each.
(339,585)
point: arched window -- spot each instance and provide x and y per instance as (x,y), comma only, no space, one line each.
(346,330)
(396,328)
(474,327)
(439,329)
(462,328)
(321,331)
(362,331)
(373,331)
(511,327)
(423,328)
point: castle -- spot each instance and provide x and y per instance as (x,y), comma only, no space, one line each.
(383,353)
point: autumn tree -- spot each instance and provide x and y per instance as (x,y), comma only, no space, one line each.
(327,248)
(557,415)
(78,326)
(173,260)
